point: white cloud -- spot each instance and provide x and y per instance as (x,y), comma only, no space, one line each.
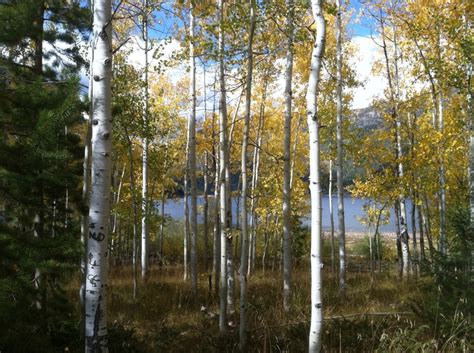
(367,52)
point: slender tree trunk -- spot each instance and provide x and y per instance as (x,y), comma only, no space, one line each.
(331,219)
(442,180)
(162,223)
(115,236)
(230,241)
(293,158)
(38,220)
(186,218)
(144,230)
(403,213)
(117,198)
(205,211)
(217,239)
(396,209)
(230,271)
(255,176)
(237,211)
(376,236)
(99,206)
(234,123)
(427,223)
(393,83)
(265,246)
(223,166)
(315,334)
(206,191)
(413,229)
(470,124)
(244,258)
(135,217)
(192,152)
(340,154)
(287,236)
(417,256)
(420,227)
(217,244)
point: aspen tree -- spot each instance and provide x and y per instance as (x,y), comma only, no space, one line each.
(205,210)
(144,233)
(135,224)
(99,205)
(287,236)
(393,85)
(331,220)
(340,154)
(192,151)
(223,174)
(316,323)
(217,243)
(255,179)
(244,261)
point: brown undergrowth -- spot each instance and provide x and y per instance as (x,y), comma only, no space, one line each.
(166,317)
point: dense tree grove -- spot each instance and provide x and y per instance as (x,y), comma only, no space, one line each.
(222,176)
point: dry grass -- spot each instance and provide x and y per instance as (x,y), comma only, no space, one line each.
(166,317)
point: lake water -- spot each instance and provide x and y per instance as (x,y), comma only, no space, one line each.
(353,209)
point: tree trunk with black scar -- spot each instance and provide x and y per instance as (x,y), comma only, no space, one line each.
(99,205)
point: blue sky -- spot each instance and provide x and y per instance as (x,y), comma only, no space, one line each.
(359,29)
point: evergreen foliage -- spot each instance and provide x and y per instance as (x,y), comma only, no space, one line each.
(40,171)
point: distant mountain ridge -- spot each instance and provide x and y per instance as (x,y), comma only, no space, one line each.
(366,118)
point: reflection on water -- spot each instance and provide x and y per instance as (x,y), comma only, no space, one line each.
(353,209)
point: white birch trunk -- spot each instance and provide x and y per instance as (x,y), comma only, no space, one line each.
(316,324)
(340,154)
(287,236)
(144,234)
(99,206)
(223,161)
(244,257)
(192,152)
